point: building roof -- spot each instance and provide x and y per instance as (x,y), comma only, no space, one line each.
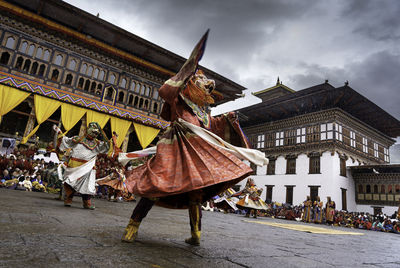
(318,98)
(376,169)
(57,15)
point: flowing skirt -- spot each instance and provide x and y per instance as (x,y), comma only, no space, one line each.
(184,163)
(115,183)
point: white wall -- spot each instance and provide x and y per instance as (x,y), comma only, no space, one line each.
(329,180)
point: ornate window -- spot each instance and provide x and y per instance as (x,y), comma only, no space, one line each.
(123,83)
(352,139)
(34,68)
(87,85)
(260,141)
(155,108)
(383,189)
(279,138)
(10,42)
(368,189)
(155,94)
(5,57)
(42,68)
(301,135)
(130,99)
(96,73)
(72,65)
(376,152)
(147,91)
(360,189)
(290,137)
(46,55)
(80,83)
(31,50)
(84,68)
(111,79)
(136,101)
(68,79)
(376,189)
(143,90)
(133,85)
(90,70)
(326,131)
(270,140)
(313,134)
(271,166)
(315,163)
(140,103)
(290,165)
(338,132)
(386,154)
(121,96)
(343,166)
(101,75)
(58,60)
(23,47)
(39,53)
(18,64)
(93,87)
(365,145)
(109,93)
(54,75)
(27,65)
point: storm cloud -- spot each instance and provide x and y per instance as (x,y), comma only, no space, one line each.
(253,42)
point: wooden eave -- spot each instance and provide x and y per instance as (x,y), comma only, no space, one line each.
(72,22)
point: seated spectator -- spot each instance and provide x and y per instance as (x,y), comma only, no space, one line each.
(387,225)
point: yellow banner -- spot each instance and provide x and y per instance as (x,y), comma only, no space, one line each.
(10,98)
(44,108)
(92,116)
(121,127)
(145,134)
(70,115)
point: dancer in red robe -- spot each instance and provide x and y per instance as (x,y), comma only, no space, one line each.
(196,157)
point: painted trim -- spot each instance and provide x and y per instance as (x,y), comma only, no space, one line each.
(73,98)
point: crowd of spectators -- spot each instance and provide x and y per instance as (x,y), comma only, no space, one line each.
(357,220)
(20,171)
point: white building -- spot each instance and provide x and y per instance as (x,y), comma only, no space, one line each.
(313,137)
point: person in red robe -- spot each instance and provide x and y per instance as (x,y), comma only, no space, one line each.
(187,169)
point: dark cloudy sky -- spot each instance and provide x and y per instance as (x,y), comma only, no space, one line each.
(253,42)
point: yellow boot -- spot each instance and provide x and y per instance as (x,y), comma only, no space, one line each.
(195,224)
(195,239)
(131,231)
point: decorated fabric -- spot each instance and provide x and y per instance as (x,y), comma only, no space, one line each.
(100,118)
(120,127)
(250,197)
(79,173)
(44,108)
(187,158)
(91,144)
(115,182)
(124,158)
(145,134)
(200,112)
(184,162)
(70,115)
(250,203)
(10,98)
(225,200)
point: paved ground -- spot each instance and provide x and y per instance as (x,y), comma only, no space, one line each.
(38,231)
